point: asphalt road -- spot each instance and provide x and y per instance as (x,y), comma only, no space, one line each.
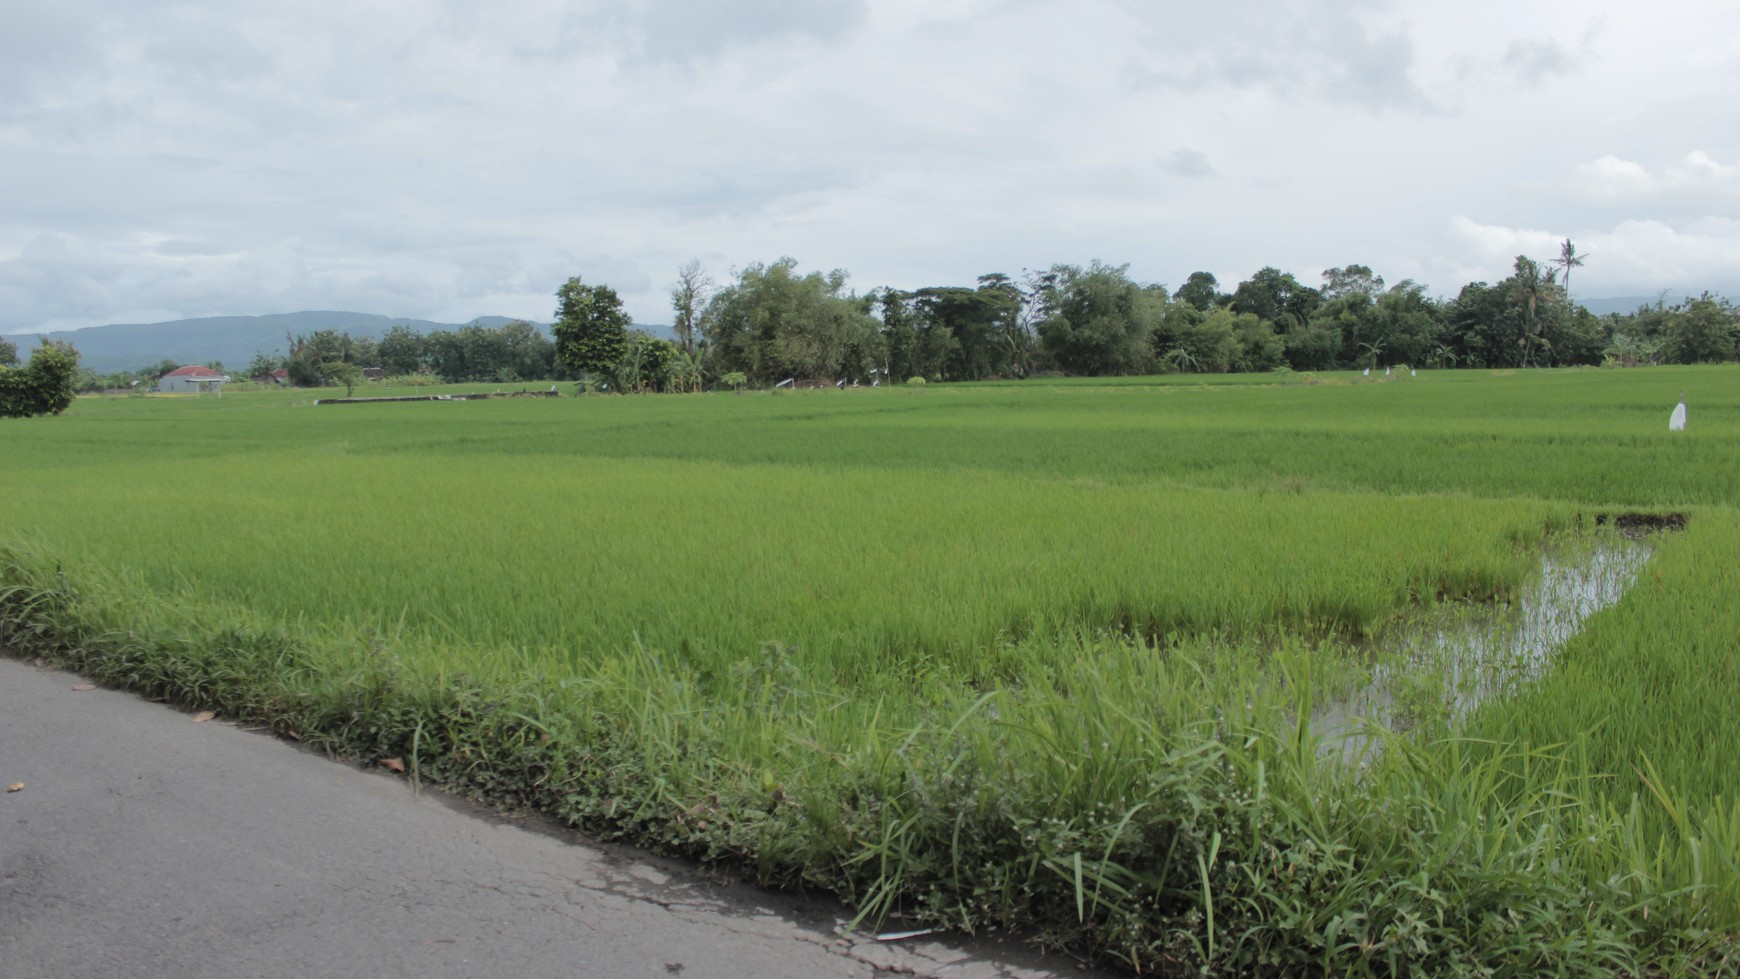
(144,845)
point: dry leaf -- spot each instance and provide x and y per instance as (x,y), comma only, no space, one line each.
(82,687)
(395,764)
(15,787)
(203,716)
(292,735)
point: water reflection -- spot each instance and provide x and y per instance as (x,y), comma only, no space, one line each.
(1449,660)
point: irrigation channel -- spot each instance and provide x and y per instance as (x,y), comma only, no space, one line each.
(1445,662)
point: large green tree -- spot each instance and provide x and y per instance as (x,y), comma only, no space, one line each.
(591,327)
(311,353)
(44,386)
(900,340)
(403,350)
(1200,291)
(984,321)
(1703,331)
(8,354)
(1096,320)
(1350,279)
(1534,290)
(1276,296)
(1406,324)
(774,323)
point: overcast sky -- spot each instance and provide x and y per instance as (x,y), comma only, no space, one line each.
(450,159)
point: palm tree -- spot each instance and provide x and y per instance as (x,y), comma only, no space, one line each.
(1532,288)
(1569,259)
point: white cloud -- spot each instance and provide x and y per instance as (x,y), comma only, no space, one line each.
(1697,177)
(1638,257)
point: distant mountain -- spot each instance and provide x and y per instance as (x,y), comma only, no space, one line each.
(1629,304)
(235,340)
(231,339)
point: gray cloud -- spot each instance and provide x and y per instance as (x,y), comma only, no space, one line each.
(42,40)
(442,159)
(1188,163)
(683,31)
(1294,52)
(1535,61)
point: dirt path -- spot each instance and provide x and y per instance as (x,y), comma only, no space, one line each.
(145,845)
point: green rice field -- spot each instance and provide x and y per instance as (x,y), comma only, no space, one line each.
(1040,656)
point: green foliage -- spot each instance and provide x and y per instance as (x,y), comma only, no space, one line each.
(774,324)
(512,352)
(684,373)
(339,372)
(1350,280)
(263,365)
(404,351)
(1201,292)
(591,327)
(985,334)
(1704,330)
(46,385)
(1277,297)
(8,353)
(646,364)
(1095,320)
(311,356)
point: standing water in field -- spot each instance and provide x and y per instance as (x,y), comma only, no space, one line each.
(1451,659)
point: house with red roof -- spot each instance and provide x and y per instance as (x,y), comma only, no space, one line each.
(192,380)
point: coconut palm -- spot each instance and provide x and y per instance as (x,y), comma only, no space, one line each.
(1569,259)
(1532,288)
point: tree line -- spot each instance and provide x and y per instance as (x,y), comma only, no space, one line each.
(772,323)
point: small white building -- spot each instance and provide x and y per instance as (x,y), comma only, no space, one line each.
(192,380)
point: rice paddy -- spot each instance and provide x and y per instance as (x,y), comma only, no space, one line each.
(1038,656)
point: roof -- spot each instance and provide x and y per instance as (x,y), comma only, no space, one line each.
(195,372)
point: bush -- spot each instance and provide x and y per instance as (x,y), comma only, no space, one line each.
(45,386)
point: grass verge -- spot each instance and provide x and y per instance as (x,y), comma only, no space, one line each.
(1094,802)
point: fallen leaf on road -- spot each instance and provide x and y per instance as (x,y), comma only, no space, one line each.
(15,787)
(203,716)
(82,687)
(394,764)
(292,735)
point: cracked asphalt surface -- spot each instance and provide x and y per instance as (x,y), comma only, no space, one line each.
(145,845)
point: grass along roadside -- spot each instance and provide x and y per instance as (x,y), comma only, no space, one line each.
(1095,801)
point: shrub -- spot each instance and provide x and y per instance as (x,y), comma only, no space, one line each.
(45,386)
